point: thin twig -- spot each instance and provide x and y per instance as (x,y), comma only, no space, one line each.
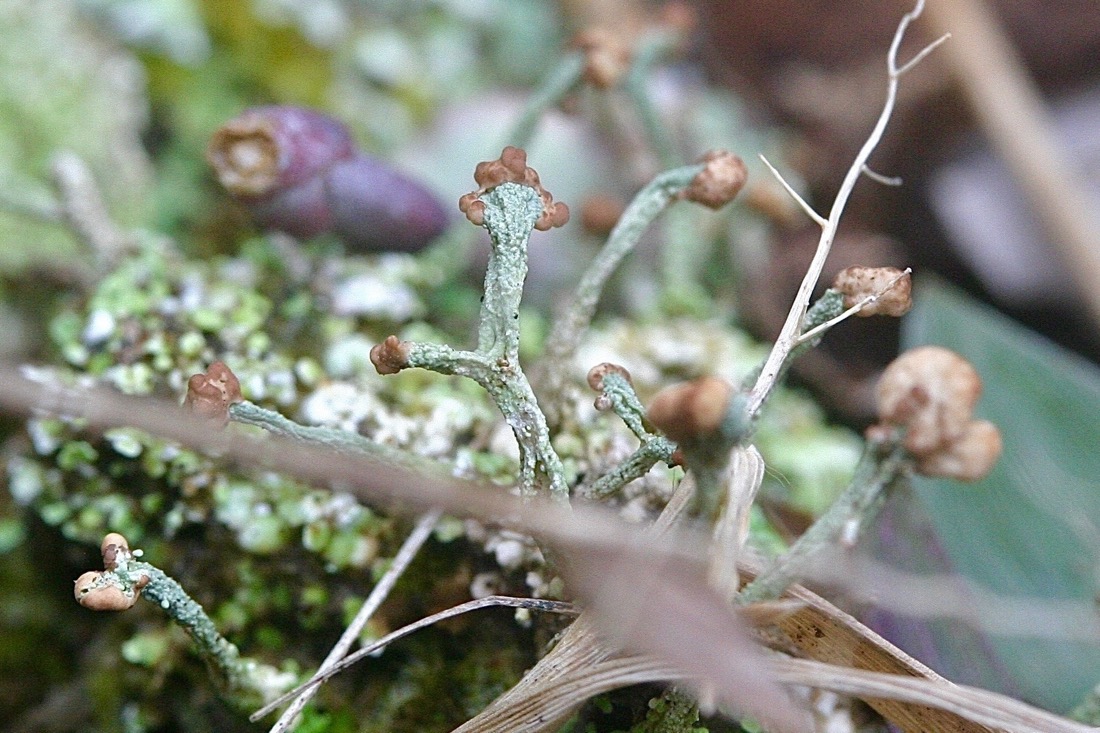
(408,550)
(879,178)
(84,211)
(732,528)
(818,218)
(788,337)
(823,327)
(923,52)
(534,604)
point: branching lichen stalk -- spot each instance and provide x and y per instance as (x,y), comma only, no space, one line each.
(248,413)
(511,210)
(638,464)
(618,394)
(244,681)
(857,505)
(215,649)
(571,324)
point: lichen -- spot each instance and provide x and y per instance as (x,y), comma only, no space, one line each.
(279,566)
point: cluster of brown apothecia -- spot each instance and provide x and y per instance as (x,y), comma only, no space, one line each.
(930,393)
(101,590)
(210,394)
(511,167)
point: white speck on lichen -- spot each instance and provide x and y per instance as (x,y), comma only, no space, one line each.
(339,405)
(125,442)
(100,326)
(485,584)
(44,439)
(372,295)
(26,480)
(349,356)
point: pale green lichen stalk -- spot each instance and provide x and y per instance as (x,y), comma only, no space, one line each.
(617,394)
(342,441)
(880,468)
(116,588)
(713,182)
(510,204)
(572,323)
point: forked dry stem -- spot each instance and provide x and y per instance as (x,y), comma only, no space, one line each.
(408,550)
(789,335)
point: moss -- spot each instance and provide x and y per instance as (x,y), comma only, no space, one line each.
(277,564)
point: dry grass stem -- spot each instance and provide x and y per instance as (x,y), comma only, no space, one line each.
(792,327)
(746,474)
(535,604)
(405,554)
(822,328)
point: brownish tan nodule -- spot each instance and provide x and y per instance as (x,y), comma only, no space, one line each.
(691,409)
(390,356)
(930,392)
(891,288)
(210,394)
(722,178)
(511,167)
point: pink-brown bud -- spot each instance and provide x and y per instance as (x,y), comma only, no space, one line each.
(692,409)
(931,391)
(210,394)
(606,57)
(722,178)
(858,283)
(94,594)
(511,167)
(390,356)
(600,213)
(598,372)
(970,458)
(114,548)
(678,16)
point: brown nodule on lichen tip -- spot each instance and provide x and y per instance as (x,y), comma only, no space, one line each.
(598,372)
(606,57)
(722,178)
(390,356)
(678,16)
(245,155)
(210,394)
(929,393)
(691,410)
(511,167)
(97,593)
(970,458)
(893,288)
(113,548)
